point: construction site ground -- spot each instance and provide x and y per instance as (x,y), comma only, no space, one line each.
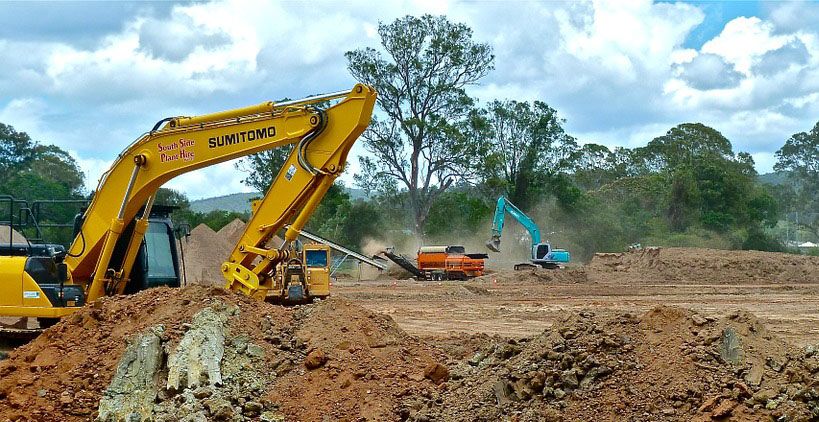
(525,303)
(653,334)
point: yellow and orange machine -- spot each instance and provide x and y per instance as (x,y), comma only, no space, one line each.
(450,262)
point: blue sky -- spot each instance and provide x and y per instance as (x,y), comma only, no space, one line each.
(92,76)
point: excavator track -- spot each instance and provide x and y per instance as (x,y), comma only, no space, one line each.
(20,330)
(19,333)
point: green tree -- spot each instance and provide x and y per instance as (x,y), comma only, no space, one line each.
(684,145)
(32,171)
(429,138)
(165,196)
(457,214)
(529,145)
(262,167)
(593,166)
(52,163)
(800,157)
(16,150)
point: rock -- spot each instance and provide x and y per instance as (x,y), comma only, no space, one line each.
(709,404)
(730,346)
(698,320)
(460,371)
(522,389)
(775,365)
(315,359)
(199,354)
(589,378)
(252,408)
(744,391)
(219,409)
(772,404)
(754,376)
(66,398)
(569,379)
(436,372)
(476,359)
(41,392)
(132,390)
(559,394)
(503,392)
(270,416)
(763,396)
(724,409)
(254,351)
(202,393)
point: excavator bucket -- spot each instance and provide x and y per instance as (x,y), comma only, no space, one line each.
(493,244)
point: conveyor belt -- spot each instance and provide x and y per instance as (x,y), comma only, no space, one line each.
(404,263)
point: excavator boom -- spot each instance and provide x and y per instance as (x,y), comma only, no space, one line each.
(183,144)
(294,195)
(504,206)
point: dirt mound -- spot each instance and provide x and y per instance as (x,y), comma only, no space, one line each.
(534,276)
(205,251)
(7,233)
(206,354)
(669,364)
(232,231)
(703,266)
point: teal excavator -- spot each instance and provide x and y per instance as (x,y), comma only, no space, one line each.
(543,254)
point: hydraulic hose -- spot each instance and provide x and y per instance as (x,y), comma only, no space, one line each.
(305,142)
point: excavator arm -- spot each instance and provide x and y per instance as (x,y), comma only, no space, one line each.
(291,199)
(501,209)
(182,144)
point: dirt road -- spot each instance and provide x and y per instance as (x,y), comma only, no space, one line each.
(521,304)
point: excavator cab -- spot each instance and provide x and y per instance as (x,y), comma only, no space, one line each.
(157,262)
(544,255)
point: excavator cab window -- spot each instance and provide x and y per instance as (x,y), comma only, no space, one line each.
(316,258)
(543,249)
(159,255)
(42,269)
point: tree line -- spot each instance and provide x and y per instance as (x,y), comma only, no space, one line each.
(437,159)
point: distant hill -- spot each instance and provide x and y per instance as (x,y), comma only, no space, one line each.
(237,202)
(240,202)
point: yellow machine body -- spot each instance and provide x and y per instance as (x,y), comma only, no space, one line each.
(20,295)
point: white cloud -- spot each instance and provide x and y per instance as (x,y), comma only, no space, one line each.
(744,40)
(92,168)
(709,71)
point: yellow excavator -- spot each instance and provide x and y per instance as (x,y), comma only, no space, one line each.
(111,230)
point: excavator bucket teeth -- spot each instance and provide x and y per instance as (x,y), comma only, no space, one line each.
(493,245)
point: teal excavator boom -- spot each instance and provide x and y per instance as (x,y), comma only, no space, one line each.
(542,252)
